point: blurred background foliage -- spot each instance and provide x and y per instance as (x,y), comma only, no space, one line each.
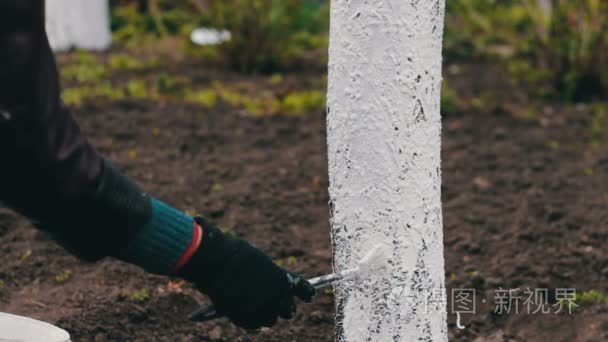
(558,48)
(267,35)
(552,50)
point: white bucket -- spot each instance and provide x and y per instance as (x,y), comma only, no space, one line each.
(22,329)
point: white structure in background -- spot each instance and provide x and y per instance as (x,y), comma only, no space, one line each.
(83,24)
(209,36)
(384,136)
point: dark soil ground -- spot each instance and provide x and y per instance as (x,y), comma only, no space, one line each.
(525,205)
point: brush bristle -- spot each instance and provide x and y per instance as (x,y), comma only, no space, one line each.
(376,258)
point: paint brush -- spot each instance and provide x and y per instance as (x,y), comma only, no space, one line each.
(374,260)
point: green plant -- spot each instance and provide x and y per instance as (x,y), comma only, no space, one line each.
(270,34)
(217,187)
(558,49)
(167,85)
(450,103)
(76,96)
(63,276)
(137,89)
(205,97)
(85,68)
(591,297)
(571,40)
(290,261)
(472,27)
(125,62)
(266,34)
(140,296)
(303,102)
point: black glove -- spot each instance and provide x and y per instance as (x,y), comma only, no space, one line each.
(243,283)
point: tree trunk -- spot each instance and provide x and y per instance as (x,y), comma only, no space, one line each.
(384,136)
(78,24)
(546,7)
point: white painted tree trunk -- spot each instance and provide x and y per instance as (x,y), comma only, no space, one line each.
(83,24)
(384,135)
(546,7)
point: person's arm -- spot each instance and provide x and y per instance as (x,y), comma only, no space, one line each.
(50,173)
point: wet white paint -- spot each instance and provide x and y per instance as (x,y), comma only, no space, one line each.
(78,24)
(384,132)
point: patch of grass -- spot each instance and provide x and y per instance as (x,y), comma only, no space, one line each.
(226,94)
(473,273)
(588,171)
(73,96)
(287,262)
(244,95)
(554,144)
(263,103)
(303,102)
(450,103)
(125,62)
(167,85)
(266,102)
(204,97)
(140,296)
(137,89)
(276,79)
(591,297)
(76,96)
(86,68)
(62,277)
(217,187)
(132,153)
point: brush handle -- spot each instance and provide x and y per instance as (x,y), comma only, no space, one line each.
(208,313)
(330,279)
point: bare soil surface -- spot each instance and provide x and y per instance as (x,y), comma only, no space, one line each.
(525,205)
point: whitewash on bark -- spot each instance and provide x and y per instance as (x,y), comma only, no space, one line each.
(384,135)
(83,24)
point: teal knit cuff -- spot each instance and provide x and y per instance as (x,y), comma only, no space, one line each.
(158,246)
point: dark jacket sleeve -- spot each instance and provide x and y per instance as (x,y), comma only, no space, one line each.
(49,172)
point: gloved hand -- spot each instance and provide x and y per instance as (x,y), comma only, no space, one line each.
(244,284)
